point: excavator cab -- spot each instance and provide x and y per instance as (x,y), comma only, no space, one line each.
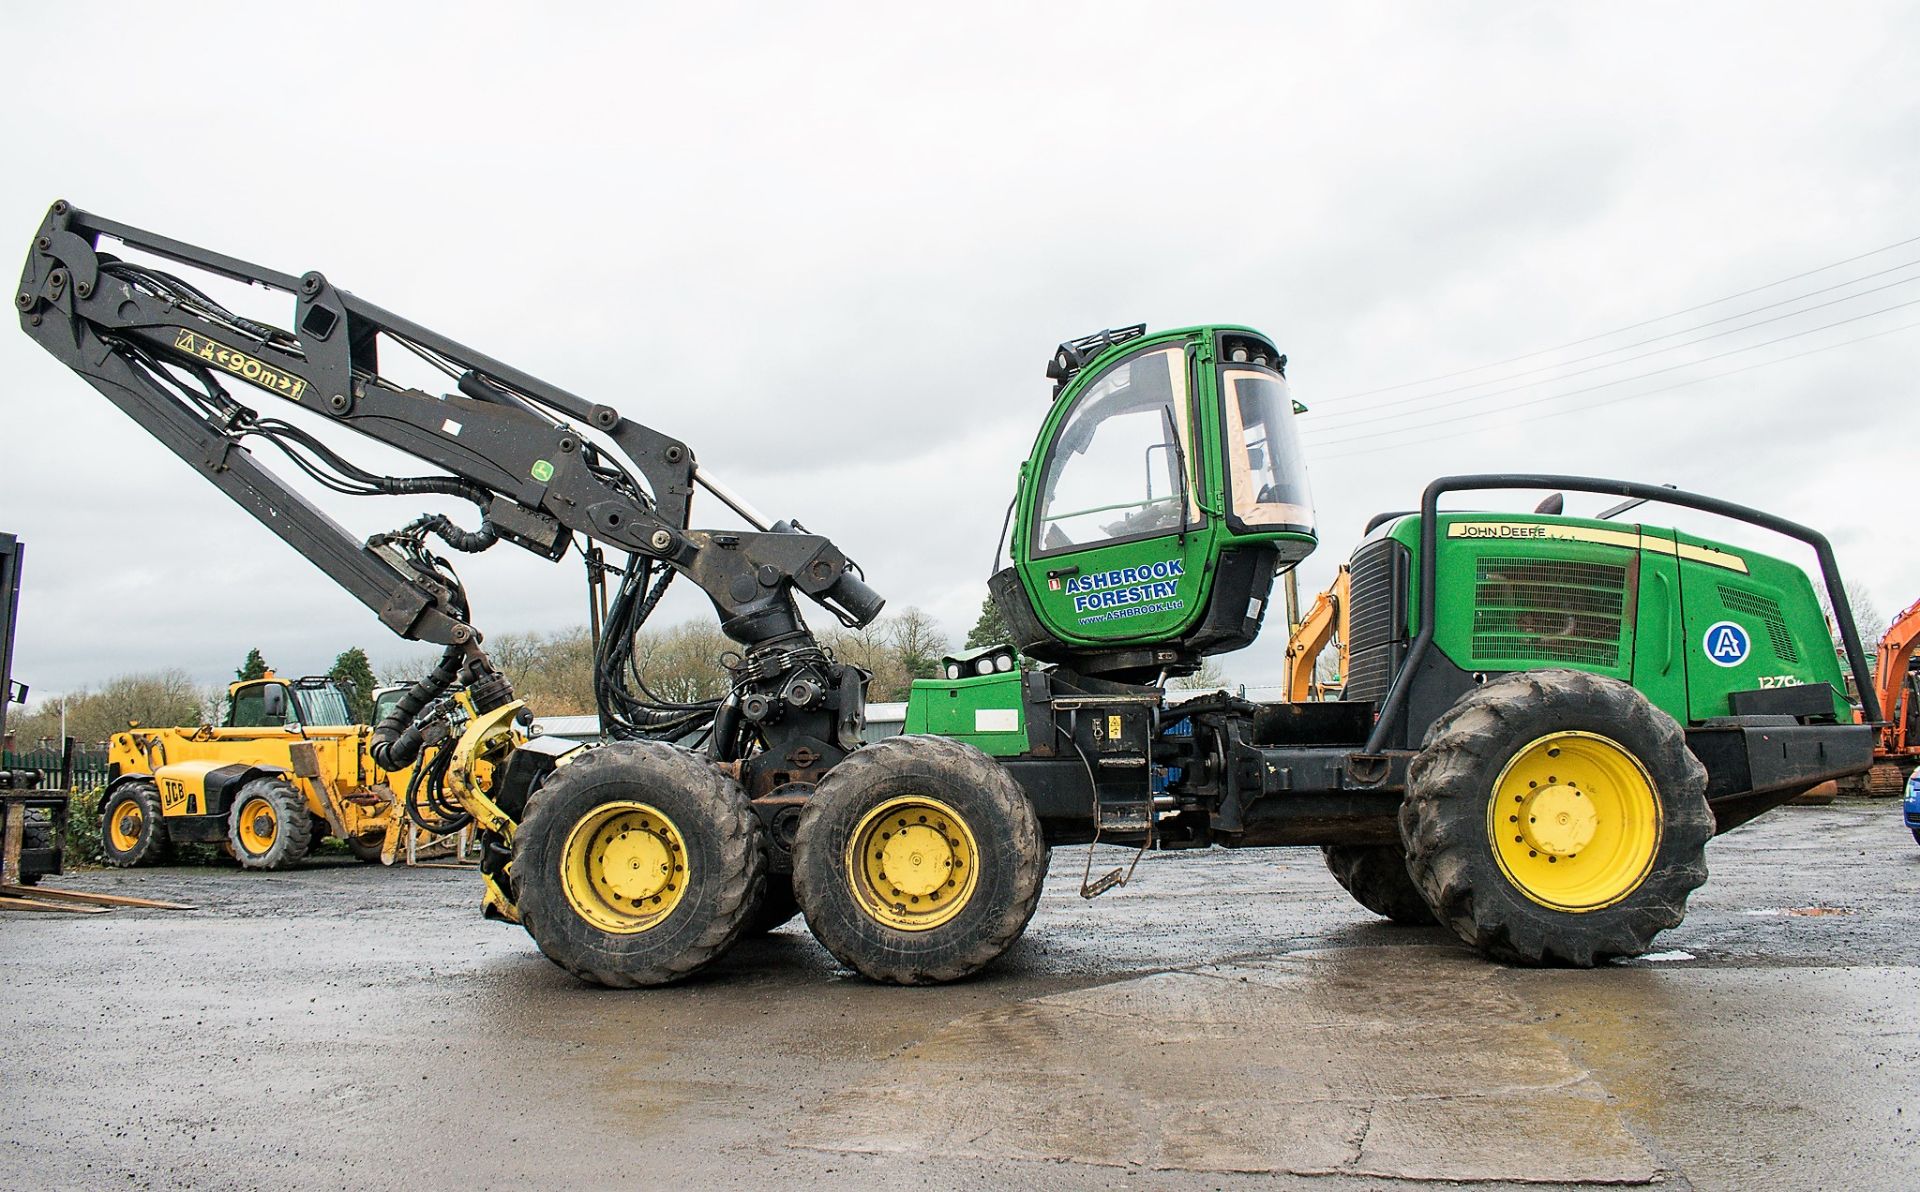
(1163,494)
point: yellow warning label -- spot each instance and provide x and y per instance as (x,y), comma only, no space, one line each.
(1113,727)
(240,364)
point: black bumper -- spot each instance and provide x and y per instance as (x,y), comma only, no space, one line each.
(1755,767)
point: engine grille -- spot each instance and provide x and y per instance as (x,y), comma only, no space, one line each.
(1768,610)
(1550,610)
(1376,618)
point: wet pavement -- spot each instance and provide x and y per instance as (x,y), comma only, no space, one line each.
(1229,1020)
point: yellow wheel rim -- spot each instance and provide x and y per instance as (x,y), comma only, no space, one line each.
(1575,821)
(913,863)
(126,826)
(259,825)
(624,867)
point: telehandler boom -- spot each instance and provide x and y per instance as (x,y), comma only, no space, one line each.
(1546,717)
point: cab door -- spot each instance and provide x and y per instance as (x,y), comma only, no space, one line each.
(1113,542)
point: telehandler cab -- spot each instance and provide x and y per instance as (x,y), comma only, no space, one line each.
(1547,717)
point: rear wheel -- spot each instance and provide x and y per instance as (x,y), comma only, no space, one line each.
(269,826)
(368,846)
(637,864)
(918,860)
(1376,875)
(132,831)
(777,905)
(1556,817)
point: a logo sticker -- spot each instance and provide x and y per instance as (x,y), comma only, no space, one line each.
(1726,644)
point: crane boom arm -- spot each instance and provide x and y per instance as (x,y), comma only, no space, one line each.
(506,433)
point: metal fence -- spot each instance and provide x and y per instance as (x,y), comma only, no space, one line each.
(89,765)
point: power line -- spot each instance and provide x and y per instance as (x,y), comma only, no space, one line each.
(1611,401)
(1630,326)
(1419,397)
(1620,380)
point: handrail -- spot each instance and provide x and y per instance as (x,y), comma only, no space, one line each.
(1395,704)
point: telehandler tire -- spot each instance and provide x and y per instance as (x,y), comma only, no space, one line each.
(368,847)
(1376,875)
(269,825)
(637,864)
(776,907)
(918,860)
(132,831)
(1556,817)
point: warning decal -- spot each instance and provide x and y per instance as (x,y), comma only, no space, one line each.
(240,364)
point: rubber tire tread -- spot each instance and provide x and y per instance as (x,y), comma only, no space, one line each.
(1376,875)
(1443,818)
(35,834)
(1013,860)
(777,906)
(289,848)
(725,840)
(152,848)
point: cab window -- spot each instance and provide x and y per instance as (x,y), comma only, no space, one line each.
(1118,463)
(1266,480)
(322,706)
(249,708)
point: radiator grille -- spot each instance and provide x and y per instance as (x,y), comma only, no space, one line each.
(1548,610)
(1768,610)
(1376,618)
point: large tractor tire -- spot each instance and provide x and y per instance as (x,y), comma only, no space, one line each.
(132,831)
(918,860)
(776,907)
(638,864)
(1376,875)
(269,826)
(1556,817)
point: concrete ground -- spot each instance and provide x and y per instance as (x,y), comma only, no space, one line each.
(1227,1021)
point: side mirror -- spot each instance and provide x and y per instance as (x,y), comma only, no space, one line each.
(273,702)
(1555,504)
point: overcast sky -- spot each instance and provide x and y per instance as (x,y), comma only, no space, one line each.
(831,247)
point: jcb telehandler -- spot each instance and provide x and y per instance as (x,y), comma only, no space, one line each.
(1546,717)
(287,769)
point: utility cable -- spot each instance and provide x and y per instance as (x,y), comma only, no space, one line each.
(1630,326)
(1420,397)
(1590,388)
(1454,434)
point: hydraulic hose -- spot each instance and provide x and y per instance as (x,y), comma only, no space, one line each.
(397,739)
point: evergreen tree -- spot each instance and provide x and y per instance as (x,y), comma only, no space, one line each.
(991,629)
(355,675)
(255,667)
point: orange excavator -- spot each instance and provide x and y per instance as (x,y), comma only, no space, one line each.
(1326,621)
(1897,751)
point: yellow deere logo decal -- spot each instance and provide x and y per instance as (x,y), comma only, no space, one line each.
(241,365)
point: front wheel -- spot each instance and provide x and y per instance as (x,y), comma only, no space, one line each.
(1556,817)
(131,829)
(918,860)
(637,864)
